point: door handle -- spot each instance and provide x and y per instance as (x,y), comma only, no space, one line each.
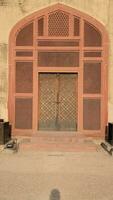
(57,102)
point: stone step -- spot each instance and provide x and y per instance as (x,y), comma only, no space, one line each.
(58,139)
(58,144)
(68,148)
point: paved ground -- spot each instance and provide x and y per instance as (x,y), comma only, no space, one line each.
(78,176)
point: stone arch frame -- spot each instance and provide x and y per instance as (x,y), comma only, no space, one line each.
(104,62)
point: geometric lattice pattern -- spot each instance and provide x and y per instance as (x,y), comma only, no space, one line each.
(58,59)
(92,37)
(25,36)
(92,78)
(47,112)
(58,24)
(91,114)
(23,113)
(68,98)
(58,102)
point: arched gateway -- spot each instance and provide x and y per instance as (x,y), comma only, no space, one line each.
(57,73)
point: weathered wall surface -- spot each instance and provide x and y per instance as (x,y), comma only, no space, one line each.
(13,11)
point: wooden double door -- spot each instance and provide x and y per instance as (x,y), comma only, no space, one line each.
(58,101)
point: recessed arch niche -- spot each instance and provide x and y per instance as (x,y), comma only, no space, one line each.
(58,42)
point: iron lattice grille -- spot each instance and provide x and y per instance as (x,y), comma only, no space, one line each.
(58,102)
(68,98)
(46,102)
(58,24)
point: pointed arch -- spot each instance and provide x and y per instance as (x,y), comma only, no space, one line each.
(58,39)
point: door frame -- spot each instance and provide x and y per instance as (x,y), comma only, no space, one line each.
(12,59)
